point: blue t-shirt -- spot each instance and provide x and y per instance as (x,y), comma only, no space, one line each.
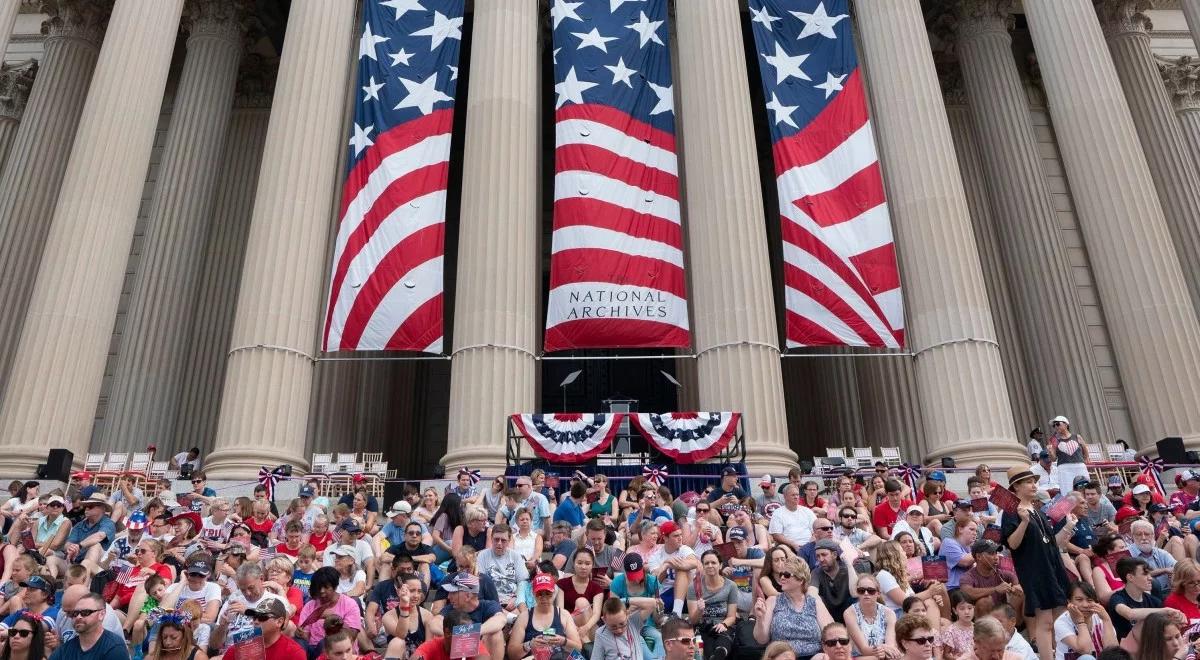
(659,516)
(619,587)
(84,529)
(570,512)
(953,552)
(110,646)
(301,580)
(486,610)
(393,533)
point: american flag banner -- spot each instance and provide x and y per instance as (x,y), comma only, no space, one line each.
(840,275)
(386,289)
(616,265)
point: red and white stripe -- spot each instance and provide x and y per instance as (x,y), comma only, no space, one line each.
(387,287)
(616,227)
(840,274)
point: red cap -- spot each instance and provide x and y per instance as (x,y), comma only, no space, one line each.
(542,582)
(1126,512)
(82,474)
(668,528)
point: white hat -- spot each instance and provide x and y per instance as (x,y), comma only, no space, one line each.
(1062,419)
(1141,488)
(398,508)
(767,479)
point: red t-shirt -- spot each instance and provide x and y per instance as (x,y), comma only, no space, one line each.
(285,549)
(255,526)
(125,591)
(284,648)
(1189,609)
(321,542)
(435,649)
(883,515)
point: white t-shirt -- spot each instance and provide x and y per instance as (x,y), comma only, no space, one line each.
(659,557)
(507,571)
(796,526)
(887,582)
(1064,628)
(346,585)
(181,459)
(216,532)
(211,592)
(362,552)
(1034,447)
(242,622)
(1018,645)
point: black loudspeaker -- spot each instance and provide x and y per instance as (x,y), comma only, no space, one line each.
(1171,451)
(57,466)
(393,491)
(948,462)
(806,467)
(1193,457)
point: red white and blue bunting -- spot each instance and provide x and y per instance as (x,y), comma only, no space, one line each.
(688,437)
(568,437)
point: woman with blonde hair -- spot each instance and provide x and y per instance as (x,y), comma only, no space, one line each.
(895,582)
(782,650)
(835,640)
(871,627)
(794,616)
(628,499)
(1185,589)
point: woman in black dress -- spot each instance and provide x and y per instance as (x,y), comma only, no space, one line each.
(1030,537)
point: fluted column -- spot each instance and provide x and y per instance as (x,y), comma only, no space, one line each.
(958,368)
(736,336)
(51,397)
(37,161)
(891,411)
(1174,172)
(224,250)
(8,18)
(1150,316)
(1044,302)
(1180,78)
(152,354)
(15,82)
(268,379)
(496,320)
(1191,12)
(995,275)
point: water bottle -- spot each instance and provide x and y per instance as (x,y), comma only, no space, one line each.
(699,646)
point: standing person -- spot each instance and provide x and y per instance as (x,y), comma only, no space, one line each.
(91,640)
(1030,537)
(1034,446)
(1069,453)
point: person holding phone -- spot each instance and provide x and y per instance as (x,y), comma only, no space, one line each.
(728,491)
(547,627)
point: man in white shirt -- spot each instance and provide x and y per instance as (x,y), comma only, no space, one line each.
(249,595)
(1007,616)
(1047,472)
(1035,443)
(674,564)
(505,566)
(792,524)
(190,457)
(350,533)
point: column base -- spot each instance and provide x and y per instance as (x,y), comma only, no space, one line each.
(245,463)
(970,453)
(488,460)
(771,459)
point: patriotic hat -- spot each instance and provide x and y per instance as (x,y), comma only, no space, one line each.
(462,581)
(136,520)
(543,582)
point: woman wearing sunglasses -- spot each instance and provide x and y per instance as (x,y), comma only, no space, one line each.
(835,643)
(871,626)
(794,616)
(714,610)
(26,639)
(914,637)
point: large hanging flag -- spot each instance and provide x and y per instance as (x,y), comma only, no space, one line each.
(616,265)
(842,284)
(386,289)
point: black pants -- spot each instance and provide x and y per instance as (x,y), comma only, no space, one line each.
(716,645)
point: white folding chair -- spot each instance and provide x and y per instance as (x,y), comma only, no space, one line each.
(347,459)
(863,457)
(835,452)
(372,457)
(94,462)
(1114,452)
(377,468)
(891,456)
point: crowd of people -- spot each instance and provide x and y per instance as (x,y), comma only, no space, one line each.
(864,566)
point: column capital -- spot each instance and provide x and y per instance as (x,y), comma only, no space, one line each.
(229,20)
(979,17)
(1180,78)
(76,19)
(951,81)
(256,81)
(1124,17)
(15,82)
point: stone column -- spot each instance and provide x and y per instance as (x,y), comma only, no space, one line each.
(8,18)
(733,311)
(1150,316)
(225,248)
(1180,77)
(15,82)
(268,381)
(1191,12)
(496,309)
(995,275)
(891,411)
(1047,310)
(37,161)
(960,378)
(1171,166)
(152,355)
(51,397)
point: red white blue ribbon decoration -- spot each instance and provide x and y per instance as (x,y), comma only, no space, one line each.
(655,475)
(910,473)
(268,477)
(568,437)
(1154,468)
(475,475)
(688,437)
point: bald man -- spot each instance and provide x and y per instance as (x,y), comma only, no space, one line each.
(70,598)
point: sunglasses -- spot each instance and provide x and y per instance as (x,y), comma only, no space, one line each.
(922,640)
(836,641)
(704,510)
(260,617)
(785,575)
(867,591)
(78,613)
(823,529)
(686,641)
(849,515)
(197,481)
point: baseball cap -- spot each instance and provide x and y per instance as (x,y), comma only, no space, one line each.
(937,475)
(462,581)
(668,528)
(350,525)
(342,551)
(1157,507)
(1080,481)
(1043,455)
(1062,419)
(543,582)
(915,509)
(1140,489)
(984,545)
(1190,475)
(268,608)
(634,567)
(1126,512)
(38,582)
(307,491)
(1115,481)
(199,567)
(767,480)
(737,533)
(399,507)
(961,504)
(728,471)
(55,499)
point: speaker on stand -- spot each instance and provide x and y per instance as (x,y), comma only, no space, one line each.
(57,466)
(1171,451)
